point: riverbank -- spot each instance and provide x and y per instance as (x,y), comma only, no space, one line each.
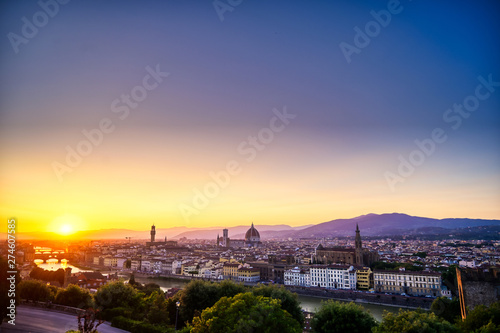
(84,268)
(396,301)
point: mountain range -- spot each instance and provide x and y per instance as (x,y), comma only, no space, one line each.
(370,225)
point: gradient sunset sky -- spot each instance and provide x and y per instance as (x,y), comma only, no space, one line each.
(353,120)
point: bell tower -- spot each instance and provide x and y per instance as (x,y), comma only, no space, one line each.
(153,233)
(358,247)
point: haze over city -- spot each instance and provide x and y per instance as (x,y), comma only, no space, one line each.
(125,114)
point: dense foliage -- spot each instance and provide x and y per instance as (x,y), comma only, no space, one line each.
(381,265)
(340,317)
(245,313)
(482,319)
(117,294)
(74,296)
(199,295)
(34,290)
(447,309)
(414,322)
(46,275)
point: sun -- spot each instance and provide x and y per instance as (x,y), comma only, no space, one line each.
(67,224)
(66,229)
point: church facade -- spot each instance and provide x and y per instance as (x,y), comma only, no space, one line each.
(348,256)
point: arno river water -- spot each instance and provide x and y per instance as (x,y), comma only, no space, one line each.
(308,303)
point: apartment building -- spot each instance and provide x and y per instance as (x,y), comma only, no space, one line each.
(297,277)
(364,278)
(333,277)
(248,274)
(408,282)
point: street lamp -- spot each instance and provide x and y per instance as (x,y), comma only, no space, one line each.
(177,304)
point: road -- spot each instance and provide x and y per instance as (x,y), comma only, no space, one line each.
(34,320)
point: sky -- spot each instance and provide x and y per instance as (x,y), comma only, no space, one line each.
(120,114)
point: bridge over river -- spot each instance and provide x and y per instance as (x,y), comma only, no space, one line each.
(53,255)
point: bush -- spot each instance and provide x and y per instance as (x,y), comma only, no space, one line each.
(447,309)
(288,300)
(34,290)
(482,319)
(110,314)
(414,322)
(117,294)
(136,326)
(245,313)
(342,317)
(74,296)
(123,323)
(142,327)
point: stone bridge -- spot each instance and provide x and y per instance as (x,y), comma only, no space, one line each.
(54,255)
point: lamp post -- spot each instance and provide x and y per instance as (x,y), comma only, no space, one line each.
(177,304)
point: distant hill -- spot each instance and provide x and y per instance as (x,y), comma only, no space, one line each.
(385,224)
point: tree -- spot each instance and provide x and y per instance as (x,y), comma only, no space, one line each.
(150,288)
(339,317)
(420,254)
(245,313)
(199,295)
(49,276)
(116,294)
(414,322)
(482,319)
(156,308)
(195,297)
(132,281)
(450,278)
(447,309)
(34,290)
(229,289)
(74,296)
(289,301)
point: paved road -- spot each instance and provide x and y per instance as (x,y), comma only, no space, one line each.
(34,320)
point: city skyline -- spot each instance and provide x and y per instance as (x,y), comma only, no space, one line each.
(293,113)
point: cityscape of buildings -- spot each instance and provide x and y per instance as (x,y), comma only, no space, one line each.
(335,264)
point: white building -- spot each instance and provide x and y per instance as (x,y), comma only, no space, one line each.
(135,264)
(157,266)
(333,277)
(297,277)
(146,265)
(467,263)
(408,282)
(177,266)
(120,262)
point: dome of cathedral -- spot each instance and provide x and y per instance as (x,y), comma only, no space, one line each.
(252,234)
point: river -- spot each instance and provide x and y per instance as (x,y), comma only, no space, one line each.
(54,266)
